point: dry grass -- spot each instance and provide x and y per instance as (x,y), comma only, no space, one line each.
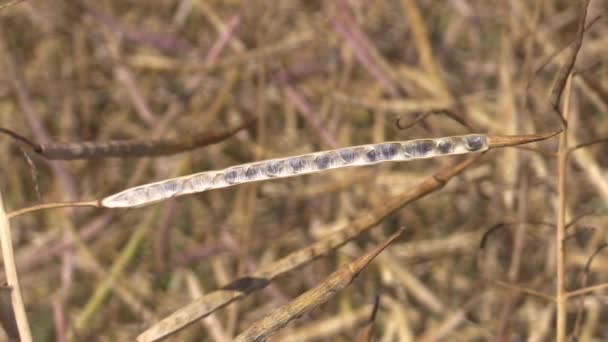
(508,245)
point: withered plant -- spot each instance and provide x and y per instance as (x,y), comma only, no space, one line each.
(303,170)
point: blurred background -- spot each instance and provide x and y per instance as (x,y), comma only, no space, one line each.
(318,75)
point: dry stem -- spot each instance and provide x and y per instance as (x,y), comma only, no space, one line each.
(11,276)
(562,161)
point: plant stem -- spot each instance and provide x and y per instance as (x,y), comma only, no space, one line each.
(11,277)
(560,249)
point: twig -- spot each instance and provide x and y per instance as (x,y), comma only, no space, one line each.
(486,235)
(410,124)
(586,290)
(587,144)
(560,247)
(12,278)
(557,52)
(566,69)
(446,111)
(526,290)
(574,220)
(578,231)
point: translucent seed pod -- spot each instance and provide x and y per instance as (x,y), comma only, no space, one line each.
(298,165)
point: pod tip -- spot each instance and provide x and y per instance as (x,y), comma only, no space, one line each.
(495,141)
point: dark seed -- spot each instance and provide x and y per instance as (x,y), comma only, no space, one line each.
(322,161)
(419,148)
(232,175)
(444,146)
(272,168)
(423,147)
(252,172)
(372,155)
(388,151)
(474,143)
(169,187)
(297,164)
(347,155)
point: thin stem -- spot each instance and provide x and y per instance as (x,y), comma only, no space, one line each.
(562,161)
(525,290)
(566,70)
(43,206)
(563,85)
(587,144)
(586,290)
(12,278)
(20,137)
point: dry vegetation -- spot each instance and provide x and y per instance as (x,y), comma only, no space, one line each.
(479,256)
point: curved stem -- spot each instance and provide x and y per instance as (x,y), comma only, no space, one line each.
(44,206)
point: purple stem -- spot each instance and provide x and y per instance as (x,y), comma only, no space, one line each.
(350,31)
(223,39)
(141,106)
(165,42)
(308,113)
